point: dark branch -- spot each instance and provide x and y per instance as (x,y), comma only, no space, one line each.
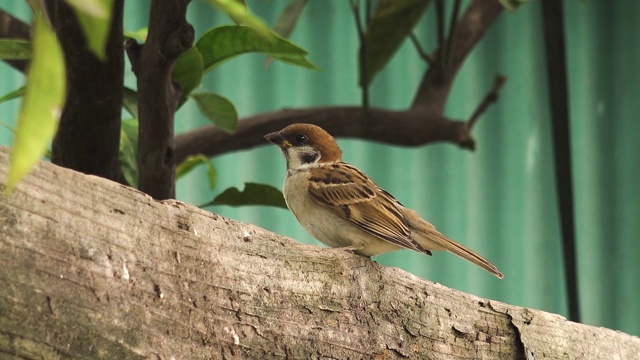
(363,53)
(423,123)
(440,30)
(409,129)
(88,136)
(14,28)
(491,97)
(436,83)
(169,36)
(423,54)
(555,54)
(452,28)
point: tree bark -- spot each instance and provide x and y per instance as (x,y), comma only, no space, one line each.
(94,269)
(169,36)
(88,136)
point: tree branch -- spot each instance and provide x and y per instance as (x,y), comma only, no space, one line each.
(410,128)
(88,136)
(490,98)
(92,270)
(363,52)
(423,54)
(436,83)
(169,36)
(452,28)
(423,123)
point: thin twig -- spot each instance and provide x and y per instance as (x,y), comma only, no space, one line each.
(490,98)
(364,79)
(367,12)
(440,30)
(452,28)
(423,54)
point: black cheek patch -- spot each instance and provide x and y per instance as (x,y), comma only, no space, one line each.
(309,158)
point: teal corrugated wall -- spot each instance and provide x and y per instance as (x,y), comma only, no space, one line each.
(500,200)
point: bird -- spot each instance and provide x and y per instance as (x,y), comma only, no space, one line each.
(343,208)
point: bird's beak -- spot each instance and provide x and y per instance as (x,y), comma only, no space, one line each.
(277,139)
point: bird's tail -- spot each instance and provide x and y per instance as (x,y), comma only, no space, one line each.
(430,238)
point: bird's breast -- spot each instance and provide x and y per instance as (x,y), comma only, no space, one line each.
(321,222)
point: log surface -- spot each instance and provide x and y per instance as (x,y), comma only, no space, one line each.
(93,269)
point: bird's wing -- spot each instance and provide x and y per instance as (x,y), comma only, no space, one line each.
(350,194)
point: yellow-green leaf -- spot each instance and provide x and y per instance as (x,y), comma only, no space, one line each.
(42,103)
(129,150)
(93,8)
(15,49)
(94,17)
(139,35)
(130,101)
(253,194)
(217,109)
(239,12)
(191,162)
(222,43)
(187,72)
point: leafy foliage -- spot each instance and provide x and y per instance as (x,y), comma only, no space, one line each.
(253,194)
(129,150)
(390,25)
(194,160)
(11,49)
(130,101)
(218,109)
(42,104)
(94,17)
(240,14)
(224,42)
(188,71)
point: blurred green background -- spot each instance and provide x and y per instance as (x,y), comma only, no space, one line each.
(499,200)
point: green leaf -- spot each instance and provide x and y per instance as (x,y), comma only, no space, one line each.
(42,103)
(129,150)
(239,12)
(194,160)
(253,194)
(187,72)
(222,43)
(94,17)
(130,101)
(139,35)
(14,94)
(391,23)
(289,17)
(217,109)
(15,49)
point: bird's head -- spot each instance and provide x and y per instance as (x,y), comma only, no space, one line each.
(304,144)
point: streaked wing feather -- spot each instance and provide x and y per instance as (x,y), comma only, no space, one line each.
(354,197)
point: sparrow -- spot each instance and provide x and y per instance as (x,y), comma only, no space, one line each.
(340,206)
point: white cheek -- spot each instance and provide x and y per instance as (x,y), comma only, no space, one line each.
(300,156)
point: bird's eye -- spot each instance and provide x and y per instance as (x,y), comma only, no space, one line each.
(301,138)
